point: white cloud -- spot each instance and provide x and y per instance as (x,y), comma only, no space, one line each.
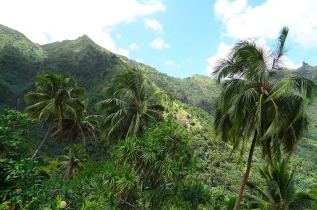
(73,18)
(289,64)
(134,46)
(123,52)
(159,44)
(154,25)
(170,63)
(222,52)
(242,21)
(226,10)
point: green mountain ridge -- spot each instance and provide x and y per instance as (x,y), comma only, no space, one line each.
(19,62)
(93,67)
(10,38)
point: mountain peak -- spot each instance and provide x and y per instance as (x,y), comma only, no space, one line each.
(304,64)
(85,38)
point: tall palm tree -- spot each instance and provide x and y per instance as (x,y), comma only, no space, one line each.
(254,106)
(279,191)
(72,161)
(130,107)
(56,96)
(81,126)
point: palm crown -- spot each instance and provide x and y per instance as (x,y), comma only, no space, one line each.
(279,191)
(129,108)
(56,96)
(56,99)
(254,105)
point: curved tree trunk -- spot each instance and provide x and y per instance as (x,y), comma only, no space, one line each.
(47,132)
(247,172)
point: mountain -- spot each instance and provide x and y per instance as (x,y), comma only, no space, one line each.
(12,39)
(93,67)
(20,60)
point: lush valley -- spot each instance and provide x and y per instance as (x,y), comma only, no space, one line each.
(170,160)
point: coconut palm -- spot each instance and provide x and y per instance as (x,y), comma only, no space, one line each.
(56,96)
(81,126)
(72,162)
(279,191)
(129,108)
(254,106)
(72,129)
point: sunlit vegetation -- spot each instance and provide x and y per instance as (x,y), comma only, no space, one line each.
(88,129)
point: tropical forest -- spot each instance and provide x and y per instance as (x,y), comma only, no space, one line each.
(84,128)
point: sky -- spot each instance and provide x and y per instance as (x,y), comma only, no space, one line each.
(177,37)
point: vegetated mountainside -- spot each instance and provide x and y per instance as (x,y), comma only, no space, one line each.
(93,67)
(14,39)
(19,61)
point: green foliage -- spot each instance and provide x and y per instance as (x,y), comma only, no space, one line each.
(12,38)
(19,62)
(162,159)
(14,126)
(72,162)
(278,191)
(17,171)
(252,105)
(129,109)
(164,166)
(56,97)
(87,189)
(57,103)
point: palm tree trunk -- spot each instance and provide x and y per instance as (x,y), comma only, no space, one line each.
(70,162)
(247,172)
(47,132)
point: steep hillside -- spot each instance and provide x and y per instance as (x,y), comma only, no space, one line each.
(19,62)
(10,38)
(91,65)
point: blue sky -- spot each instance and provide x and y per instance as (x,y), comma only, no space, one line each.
(177,37)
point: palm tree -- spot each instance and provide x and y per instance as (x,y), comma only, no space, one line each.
(72,161)
(254,106)
(56,96)
(279,191)
(130,107)
(81,125)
